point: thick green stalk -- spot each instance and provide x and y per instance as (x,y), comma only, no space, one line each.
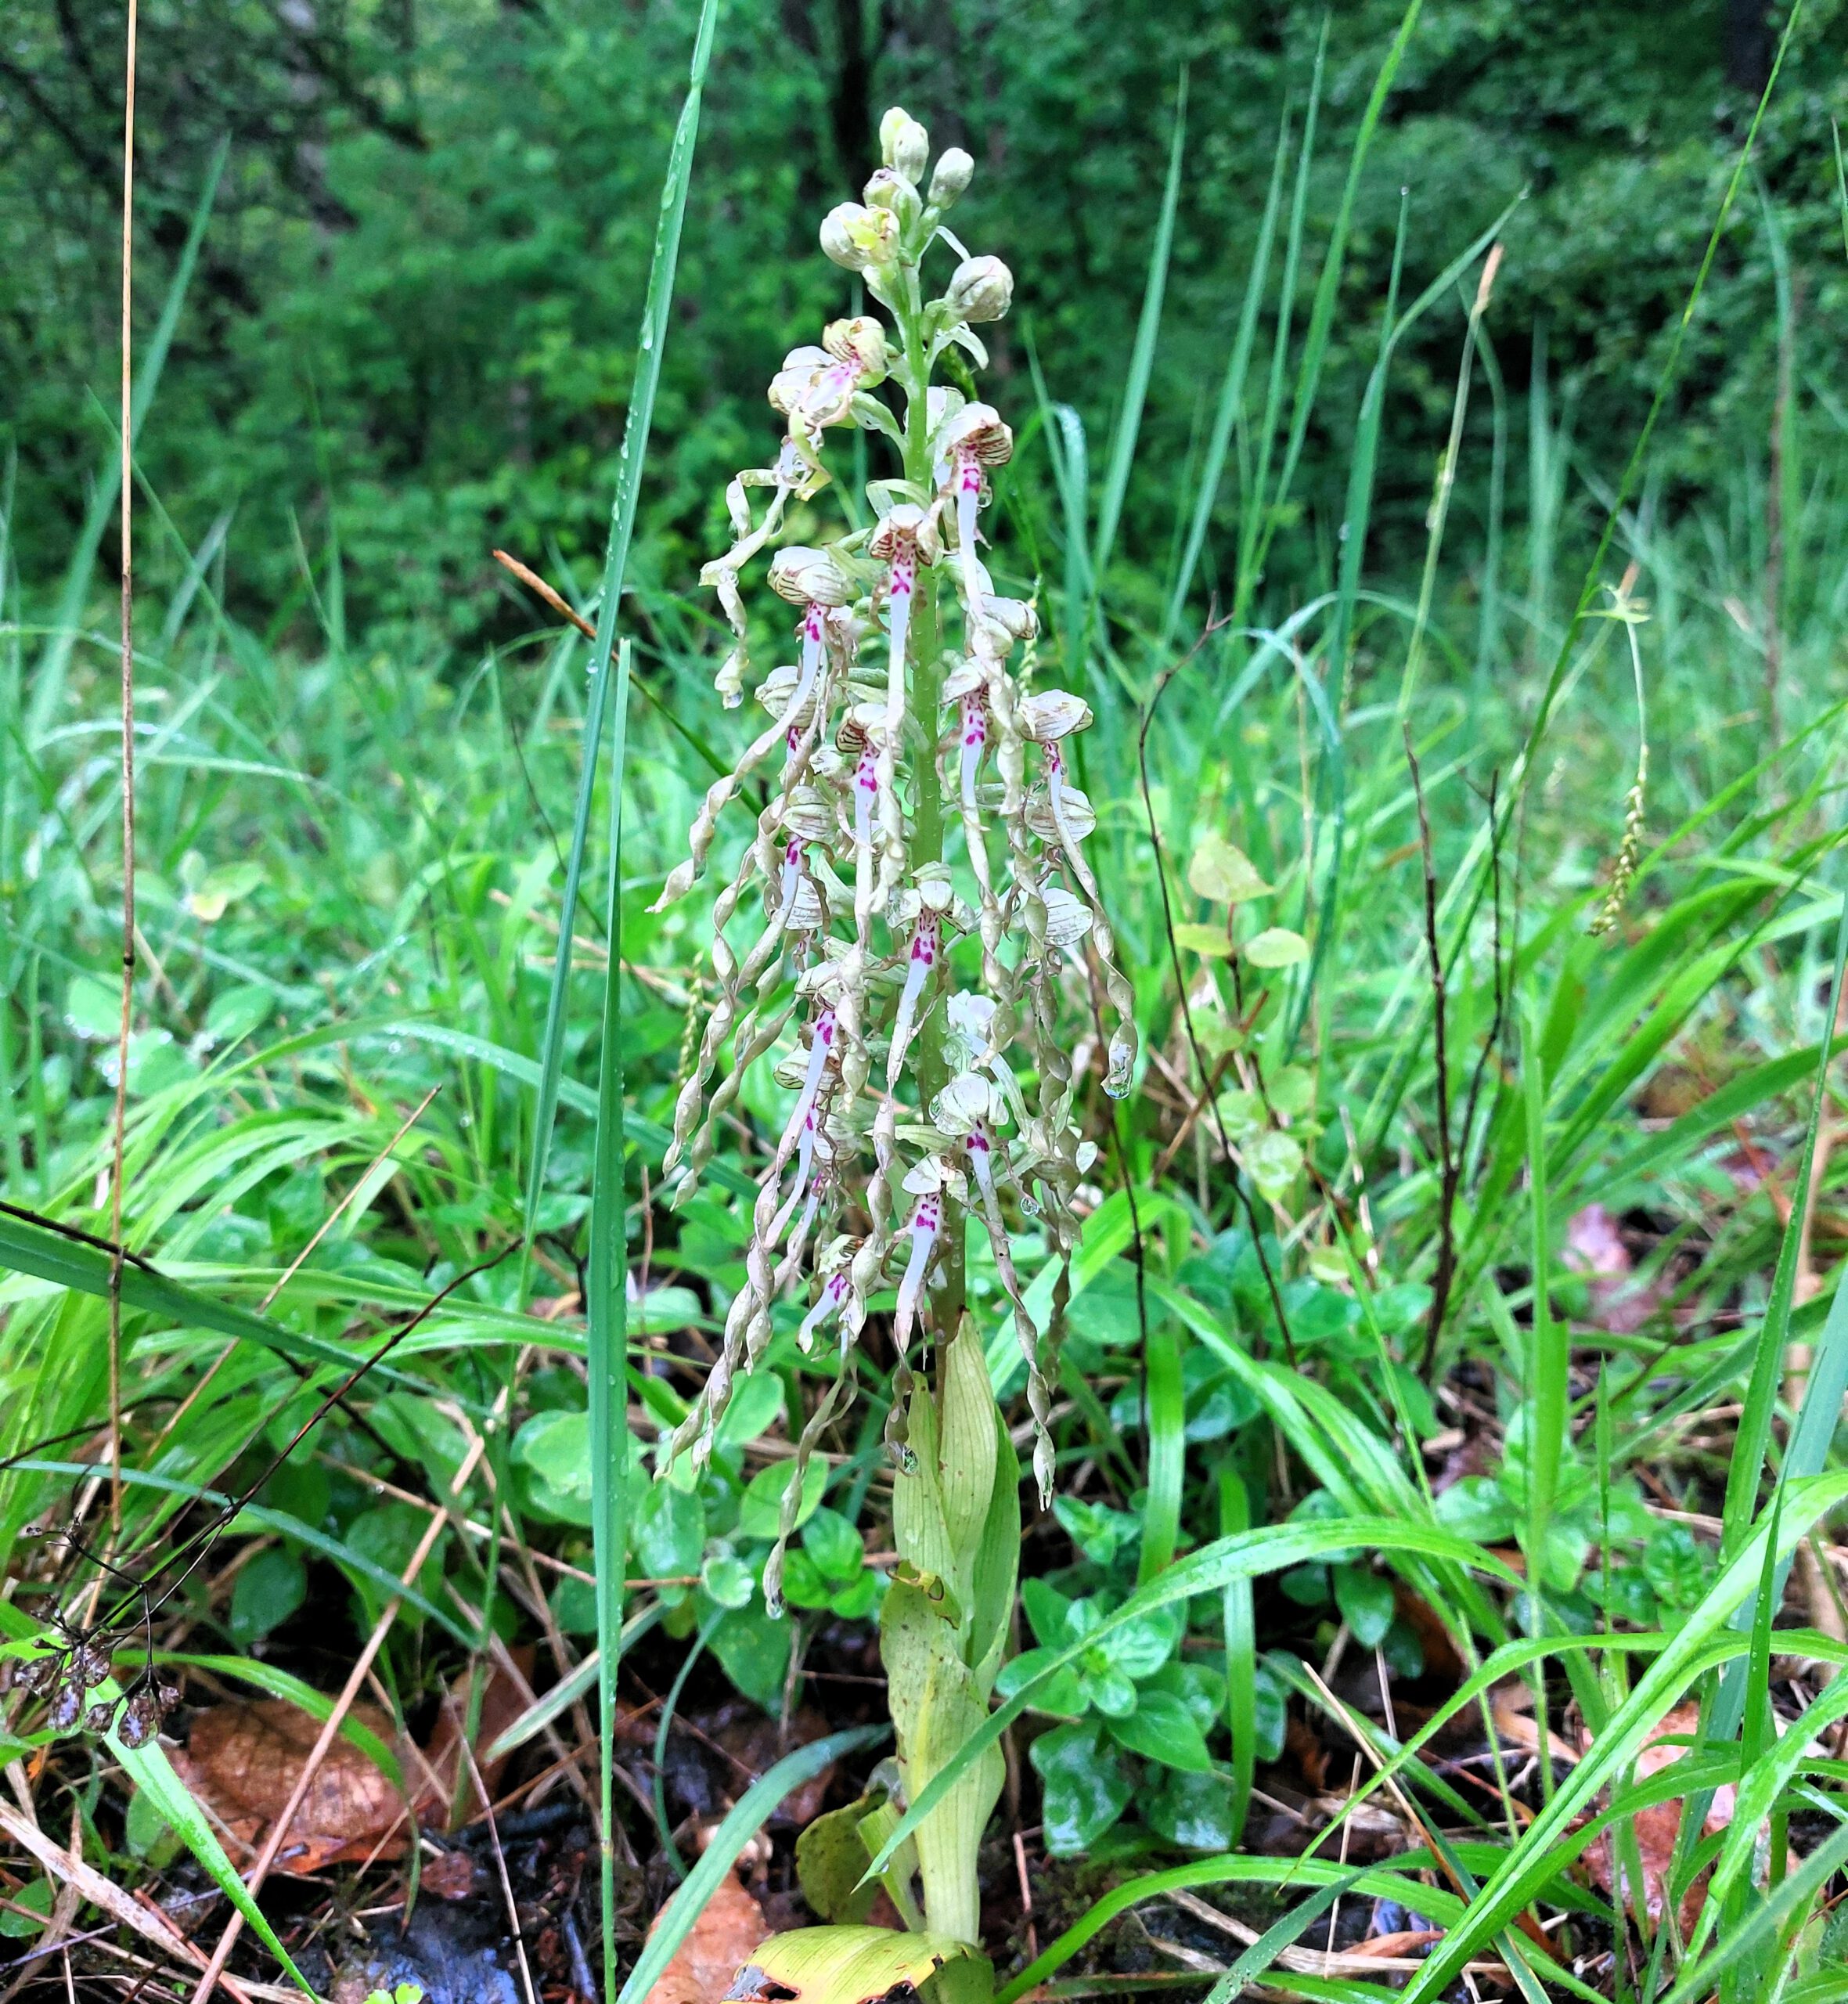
(926,709)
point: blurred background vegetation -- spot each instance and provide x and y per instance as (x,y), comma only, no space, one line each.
(411,337)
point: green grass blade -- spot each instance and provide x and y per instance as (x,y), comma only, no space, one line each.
(1241,1655)
(47,1255)
(1550,1354)
(1753,1441)
(1142,356)
(48,680)
(1231,393)
(756,1807)
(1671,370)
(152,1773)
(606,1318)
(1167,1448)
(622,522)
(1321,313)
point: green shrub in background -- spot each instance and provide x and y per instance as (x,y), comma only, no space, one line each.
(410,336)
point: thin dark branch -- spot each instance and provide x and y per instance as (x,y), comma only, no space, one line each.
(1449,1165)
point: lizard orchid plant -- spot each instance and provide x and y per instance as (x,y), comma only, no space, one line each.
(921,915)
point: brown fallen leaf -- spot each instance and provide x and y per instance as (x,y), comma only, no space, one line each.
(1403,1943)
(726,1934)
(242,1760)
(1510,1707)
(758,1744)
(1442,1658)
(504,1697)
(449,1876)
(1659,1828)
(1595,1246)
(1303,1741)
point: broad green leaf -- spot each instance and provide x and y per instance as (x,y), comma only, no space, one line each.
(1162,1729)
(1193,1811)
(1199,1687)
(669,1533)
(1275,1161)
(849,1965)
(754,1407)
(831,1860)
(1061,1695)
(760,1510)
(1139,1646)
(753,1647)
(1365,1600)
(1084,1786)
(267,1591)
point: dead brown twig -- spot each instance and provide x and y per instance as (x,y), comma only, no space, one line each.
(119,1117)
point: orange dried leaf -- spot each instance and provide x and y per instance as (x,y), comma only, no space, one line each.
(728,1930)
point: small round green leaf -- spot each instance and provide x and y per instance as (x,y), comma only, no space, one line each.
(1223,875)
(1276,947)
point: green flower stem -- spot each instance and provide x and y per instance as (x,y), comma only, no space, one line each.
(926,709)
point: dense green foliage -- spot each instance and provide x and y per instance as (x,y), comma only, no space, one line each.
(413,332)
(1294,1490)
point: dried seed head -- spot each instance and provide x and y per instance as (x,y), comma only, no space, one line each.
(37,1674)
(166,1691)
(140,1719)
(91,1663)
(66,1706)
(101,1716)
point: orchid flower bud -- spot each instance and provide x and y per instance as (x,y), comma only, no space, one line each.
(1052,715)
(856,236)
(980,289)
(903,143)
(888,190)
(955,170)
(810,577)
(860,343)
